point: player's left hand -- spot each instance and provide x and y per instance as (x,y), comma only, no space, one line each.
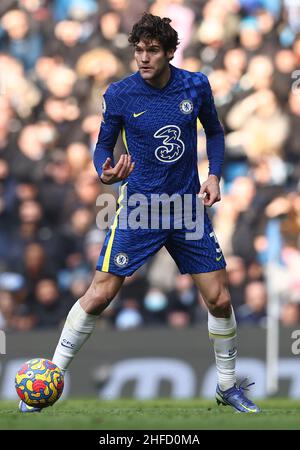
(210,191)
(119,172)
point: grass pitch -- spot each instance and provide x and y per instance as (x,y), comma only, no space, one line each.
(159,414)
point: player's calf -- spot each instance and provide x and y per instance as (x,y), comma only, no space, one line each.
(101,292)
(220,304)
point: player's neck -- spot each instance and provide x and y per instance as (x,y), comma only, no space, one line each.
(162,80)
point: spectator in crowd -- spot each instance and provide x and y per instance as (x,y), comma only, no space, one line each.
(35,264)
(290,314)
(253,311)
(6,310)
(155,307)
(291,148)
(183,302)
(49,307)
(19,40)
(15,311)
(129,316)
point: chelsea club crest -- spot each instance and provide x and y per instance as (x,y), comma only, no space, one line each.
(186,106)
(121,259)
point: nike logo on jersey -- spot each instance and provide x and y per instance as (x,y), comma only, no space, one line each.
(219,257)
(138,114)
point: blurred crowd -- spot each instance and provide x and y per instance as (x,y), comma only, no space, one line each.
(56,59)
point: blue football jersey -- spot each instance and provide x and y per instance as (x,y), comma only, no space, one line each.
(159,128)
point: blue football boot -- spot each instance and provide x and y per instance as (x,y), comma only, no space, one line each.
(236,398)
(24,408)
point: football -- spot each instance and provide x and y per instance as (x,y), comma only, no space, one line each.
(39,382)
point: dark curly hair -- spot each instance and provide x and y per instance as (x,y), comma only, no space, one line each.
(151,27)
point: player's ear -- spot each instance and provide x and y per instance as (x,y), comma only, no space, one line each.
(170,54)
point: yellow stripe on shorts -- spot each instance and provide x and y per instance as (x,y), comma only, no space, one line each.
(105,265)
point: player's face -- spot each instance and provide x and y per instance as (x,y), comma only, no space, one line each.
(152,60)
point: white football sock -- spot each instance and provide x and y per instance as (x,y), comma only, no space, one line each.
(222,332)
(77,329)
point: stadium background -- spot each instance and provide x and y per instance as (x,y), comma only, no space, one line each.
(56,59)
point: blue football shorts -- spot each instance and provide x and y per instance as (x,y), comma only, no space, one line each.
(125,250)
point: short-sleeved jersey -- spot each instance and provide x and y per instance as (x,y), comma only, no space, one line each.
(159,129)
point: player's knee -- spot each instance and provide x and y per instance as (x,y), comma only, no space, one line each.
(220,304)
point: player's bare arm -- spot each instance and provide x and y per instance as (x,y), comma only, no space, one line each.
(119,172)
(211,187)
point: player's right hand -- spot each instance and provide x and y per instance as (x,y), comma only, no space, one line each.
(122,170)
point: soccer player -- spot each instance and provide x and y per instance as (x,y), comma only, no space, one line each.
(157,109)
